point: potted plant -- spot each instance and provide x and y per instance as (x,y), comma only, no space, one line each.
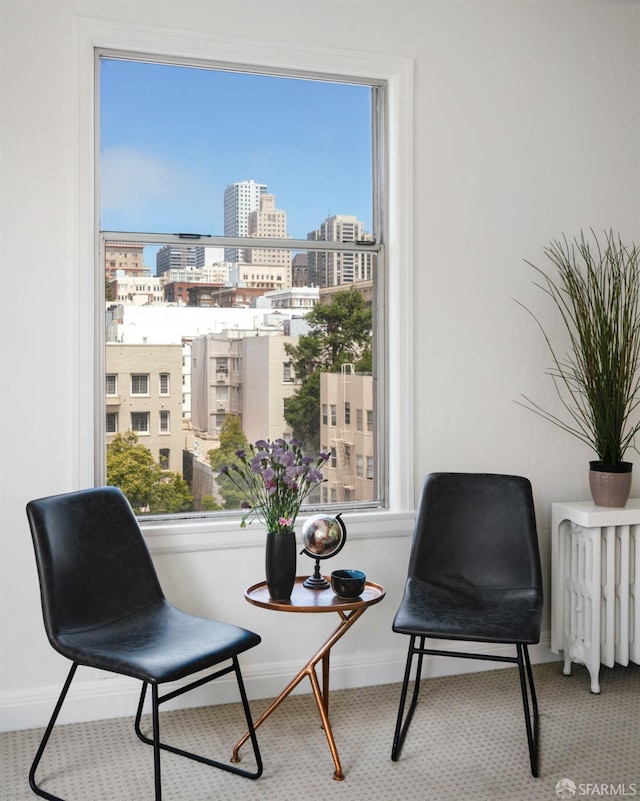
(276,477)
(596,291)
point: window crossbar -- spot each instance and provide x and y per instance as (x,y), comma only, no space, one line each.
(247,242)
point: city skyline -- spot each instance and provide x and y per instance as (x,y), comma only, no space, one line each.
(173,138)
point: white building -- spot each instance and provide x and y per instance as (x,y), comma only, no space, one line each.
(207,255)
(298,297)
(136,290)
(240,199)
(209,274)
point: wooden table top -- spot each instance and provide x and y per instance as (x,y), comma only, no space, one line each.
(304,599)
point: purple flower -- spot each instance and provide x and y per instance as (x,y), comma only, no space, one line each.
(276,477)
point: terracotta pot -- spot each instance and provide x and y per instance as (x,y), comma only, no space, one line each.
(610,484)
(280,564)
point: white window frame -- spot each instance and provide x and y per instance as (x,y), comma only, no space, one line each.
(133,378)
(147,417)
(397,316)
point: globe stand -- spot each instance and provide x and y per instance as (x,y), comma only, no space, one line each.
(317,581)
(333,535)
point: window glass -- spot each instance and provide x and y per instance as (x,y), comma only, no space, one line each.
(140,422)
(237,324)
(139,384)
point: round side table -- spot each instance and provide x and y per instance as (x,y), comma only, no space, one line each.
(308,600)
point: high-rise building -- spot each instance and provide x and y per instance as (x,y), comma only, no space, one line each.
(268,221)
(240,199)
(337,268)
(175,257)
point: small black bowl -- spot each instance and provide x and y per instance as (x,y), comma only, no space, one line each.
(348,583)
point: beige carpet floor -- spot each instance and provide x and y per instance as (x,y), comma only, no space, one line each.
(467,743)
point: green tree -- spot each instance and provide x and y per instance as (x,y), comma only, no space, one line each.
(232,439)
(302,412)
(149,488)
(340,334)
(209,504)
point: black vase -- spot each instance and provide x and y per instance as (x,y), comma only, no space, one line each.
(280,564)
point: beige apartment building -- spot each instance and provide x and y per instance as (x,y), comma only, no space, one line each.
(126,257)
(267,382)
(144,395)
(262,267)
(347,434)
(249,376)
(216,382)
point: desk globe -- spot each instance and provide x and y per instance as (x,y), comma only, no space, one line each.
(323,537)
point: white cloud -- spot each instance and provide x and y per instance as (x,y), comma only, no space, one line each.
(132,181)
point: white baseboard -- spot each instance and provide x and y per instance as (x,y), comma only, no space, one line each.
(99,698)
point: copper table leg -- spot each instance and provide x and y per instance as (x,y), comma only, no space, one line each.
(321,694)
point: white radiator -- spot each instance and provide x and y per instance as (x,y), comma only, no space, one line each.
(596,588)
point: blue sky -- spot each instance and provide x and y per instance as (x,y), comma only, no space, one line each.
(172,138)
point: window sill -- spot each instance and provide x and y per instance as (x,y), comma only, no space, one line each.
(182,536)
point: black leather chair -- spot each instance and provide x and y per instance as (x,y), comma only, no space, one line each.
(474,575)
(103,607)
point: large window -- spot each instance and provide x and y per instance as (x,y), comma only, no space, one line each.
(279,261)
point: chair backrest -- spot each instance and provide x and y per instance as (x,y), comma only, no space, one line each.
(93,563)
(476,530)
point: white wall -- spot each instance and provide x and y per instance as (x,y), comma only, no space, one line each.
(526,125)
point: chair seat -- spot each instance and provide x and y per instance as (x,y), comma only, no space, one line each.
(157,644)
(510,615)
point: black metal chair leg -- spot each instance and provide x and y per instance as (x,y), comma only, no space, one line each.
(136,724)
(155,714)
(528,688)
(45,739)
(197,757)
(401,729)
